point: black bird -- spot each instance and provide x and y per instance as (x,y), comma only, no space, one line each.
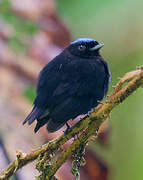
(70,85)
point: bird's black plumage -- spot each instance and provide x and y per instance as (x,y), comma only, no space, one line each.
(70,85)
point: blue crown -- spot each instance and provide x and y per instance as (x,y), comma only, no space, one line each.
(83,40)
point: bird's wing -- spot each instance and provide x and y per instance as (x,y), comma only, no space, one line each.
(50,81)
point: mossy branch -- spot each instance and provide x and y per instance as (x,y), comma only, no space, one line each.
(86,126)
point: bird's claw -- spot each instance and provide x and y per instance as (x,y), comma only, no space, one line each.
(68,128)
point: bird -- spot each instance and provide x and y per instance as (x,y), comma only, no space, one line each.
(70,85)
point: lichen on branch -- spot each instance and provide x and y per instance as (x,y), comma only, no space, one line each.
(87,127)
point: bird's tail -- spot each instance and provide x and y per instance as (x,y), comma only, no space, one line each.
(41,122)
(35,113)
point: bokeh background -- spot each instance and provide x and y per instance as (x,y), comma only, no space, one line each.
(32,32)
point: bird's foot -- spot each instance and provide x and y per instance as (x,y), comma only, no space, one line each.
(68,128)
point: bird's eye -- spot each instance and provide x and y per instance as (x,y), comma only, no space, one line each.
(81,47)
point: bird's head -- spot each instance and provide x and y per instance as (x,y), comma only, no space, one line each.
(85,47)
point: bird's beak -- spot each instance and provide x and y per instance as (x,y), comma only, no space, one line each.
(96,47)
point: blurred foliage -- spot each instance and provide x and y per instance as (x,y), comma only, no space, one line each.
(22,28)
(119,25)
(29,93)
(25,26)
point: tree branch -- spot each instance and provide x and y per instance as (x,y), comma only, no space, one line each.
(133,81)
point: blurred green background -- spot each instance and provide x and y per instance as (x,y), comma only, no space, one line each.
(119,25)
